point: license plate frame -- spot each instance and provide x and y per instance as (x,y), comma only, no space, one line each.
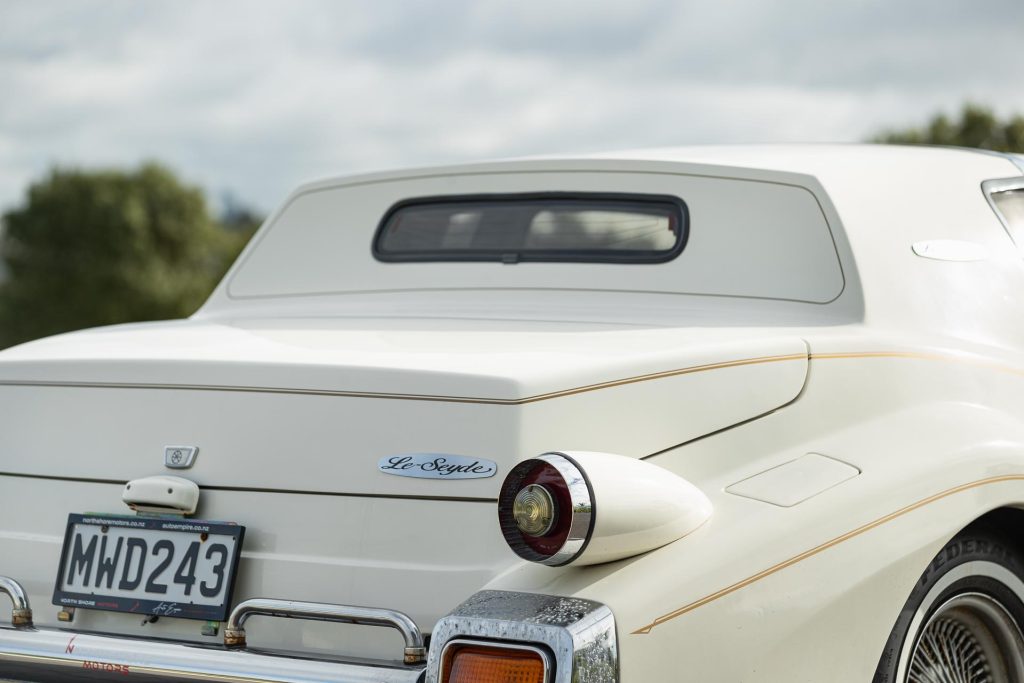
(184,531)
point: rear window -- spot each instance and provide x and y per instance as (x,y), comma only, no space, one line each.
(547,227)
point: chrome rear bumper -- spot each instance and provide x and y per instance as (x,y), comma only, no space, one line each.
(45,656)
(579,635)
(53,655)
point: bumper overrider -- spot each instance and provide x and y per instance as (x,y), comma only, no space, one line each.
(573,638)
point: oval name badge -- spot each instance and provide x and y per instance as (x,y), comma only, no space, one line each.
(437,466)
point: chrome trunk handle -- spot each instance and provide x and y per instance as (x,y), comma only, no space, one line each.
(21,615)
(234,632)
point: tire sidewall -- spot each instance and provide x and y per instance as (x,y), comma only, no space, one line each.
(990,556)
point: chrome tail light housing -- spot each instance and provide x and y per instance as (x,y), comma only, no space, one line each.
(587,508)
(553,536)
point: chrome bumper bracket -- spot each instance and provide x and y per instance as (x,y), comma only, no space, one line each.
(234,632)
(21,615)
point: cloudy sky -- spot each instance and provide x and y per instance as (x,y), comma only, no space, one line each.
(251,98)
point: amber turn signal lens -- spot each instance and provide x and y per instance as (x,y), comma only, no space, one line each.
(475,664)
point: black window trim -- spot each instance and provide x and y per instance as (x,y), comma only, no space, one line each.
(539,256)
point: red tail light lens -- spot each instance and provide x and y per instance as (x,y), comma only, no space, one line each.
(546,509)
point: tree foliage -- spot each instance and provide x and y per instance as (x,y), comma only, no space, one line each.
(92,248)
(977,127)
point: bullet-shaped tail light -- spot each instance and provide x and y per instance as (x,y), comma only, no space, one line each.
(588,508)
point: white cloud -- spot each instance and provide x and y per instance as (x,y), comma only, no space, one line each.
(256,97)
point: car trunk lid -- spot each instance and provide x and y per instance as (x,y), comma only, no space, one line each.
(273,409)
(290,429)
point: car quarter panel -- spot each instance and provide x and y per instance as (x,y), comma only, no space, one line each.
(784,585)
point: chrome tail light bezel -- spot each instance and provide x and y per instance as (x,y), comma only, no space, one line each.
(581,509)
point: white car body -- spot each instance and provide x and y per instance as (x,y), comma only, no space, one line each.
(851,315)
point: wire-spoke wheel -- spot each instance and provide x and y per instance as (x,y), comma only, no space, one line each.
(969,639)
(962,621)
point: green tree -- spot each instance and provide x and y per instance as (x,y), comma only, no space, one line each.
(977,127)
(92,248)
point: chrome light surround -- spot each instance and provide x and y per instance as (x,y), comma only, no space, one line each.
(580,634)
(581,509)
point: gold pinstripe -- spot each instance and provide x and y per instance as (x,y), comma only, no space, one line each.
(426,397)
(913,355)
(919,355)
(643,630)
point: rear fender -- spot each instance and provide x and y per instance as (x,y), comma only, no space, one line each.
(785,584)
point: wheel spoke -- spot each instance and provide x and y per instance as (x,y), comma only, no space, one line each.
(949,652)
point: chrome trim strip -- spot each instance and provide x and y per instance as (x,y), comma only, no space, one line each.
(549,665)
(234,631)
(991,187)
(21,614)
(58,656)
(1003,184)
(579,633)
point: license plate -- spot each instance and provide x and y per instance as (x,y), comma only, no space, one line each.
(162,567)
